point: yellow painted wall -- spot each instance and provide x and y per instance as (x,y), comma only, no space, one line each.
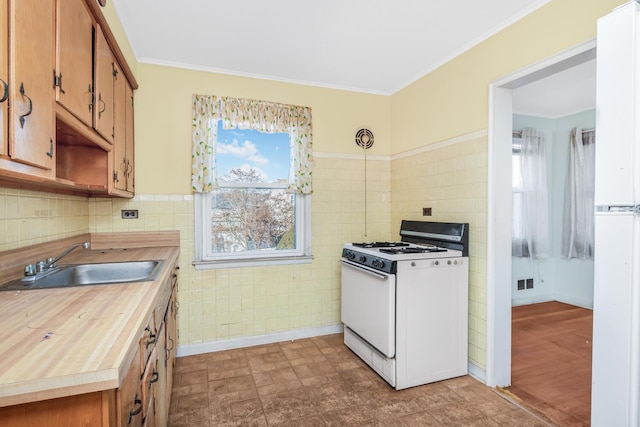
(453,100)
(163,119)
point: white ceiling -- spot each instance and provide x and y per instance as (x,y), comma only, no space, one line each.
(561,94)
(373,46)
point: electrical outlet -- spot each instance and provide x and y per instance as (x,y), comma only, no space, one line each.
(521,284)
(529,284)
(129,213)
(426,211)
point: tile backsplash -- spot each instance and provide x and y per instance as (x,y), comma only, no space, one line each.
(29,217)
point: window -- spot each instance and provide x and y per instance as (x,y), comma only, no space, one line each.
(250,217)
(530,234)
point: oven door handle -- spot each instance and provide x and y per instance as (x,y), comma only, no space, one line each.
(364,269)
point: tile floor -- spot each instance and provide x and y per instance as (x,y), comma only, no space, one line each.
(320,382)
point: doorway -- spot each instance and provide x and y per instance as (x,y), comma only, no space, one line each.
(499,271)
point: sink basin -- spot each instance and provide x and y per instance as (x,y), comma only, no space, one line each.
(91,274)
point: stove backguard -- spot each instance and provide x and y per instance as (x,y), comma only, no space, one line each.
(448,235)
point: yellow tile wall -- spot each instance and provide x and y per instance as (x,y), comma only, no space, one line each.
(451,178)
(221,304)
(30,217)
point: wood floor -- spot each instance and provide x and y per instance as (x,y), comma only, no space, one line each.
(551,361)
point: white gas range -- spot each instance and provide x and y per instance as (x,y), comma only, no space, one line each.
(404,304)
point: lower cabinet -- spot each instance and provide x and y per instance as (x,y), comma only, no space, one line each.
(152,366)
(144,396)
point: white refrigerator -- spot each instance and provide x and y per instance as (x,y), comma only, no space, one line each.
(616,323)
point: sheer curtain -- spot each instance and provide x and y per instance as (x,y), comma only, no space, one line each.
(530,224)
(577,227)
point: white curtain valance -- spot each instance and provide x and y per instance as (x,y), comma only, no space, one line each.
(269,117)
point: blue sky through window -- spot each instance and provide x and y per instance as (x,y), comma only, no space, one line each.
(266,153)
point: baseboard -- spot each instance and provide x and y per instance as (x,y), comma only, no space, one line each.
(578,302)
(212,346)
(530,300)
(478,373)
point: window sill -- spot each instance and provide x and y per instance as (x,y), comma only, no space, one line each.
(252,262)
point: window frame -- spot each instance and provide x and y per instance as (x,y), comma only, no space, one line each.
(205,259)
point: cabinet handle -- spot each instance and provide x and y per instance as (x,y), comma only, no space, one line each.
(104,105)
(136,401)
(93,97)
(50,152)
(22,117)
(155,376)
(152,337)
(5,91)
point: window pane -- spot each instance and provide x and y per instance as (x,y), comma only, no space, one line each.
(252,156)
(250,219)
(516,172)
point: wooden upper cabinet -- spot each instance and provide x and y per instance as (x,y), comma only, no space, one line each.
(130,175)
(104,102)
(119,123)
(4,77)
(74,59)
(32,119)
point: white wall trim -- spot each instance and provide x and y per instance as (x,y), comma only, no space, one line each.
(212,346)
(477,372)
(349,156)
(499,197)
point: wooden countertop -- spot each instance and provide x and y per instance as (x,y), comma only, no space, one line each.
(67,341)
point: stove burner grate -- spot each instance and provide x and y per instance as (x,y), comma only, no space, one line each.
(380,244)
(396,251)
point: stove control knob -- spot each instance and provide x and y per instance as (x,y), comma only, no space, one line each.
(363,258)
(377,263)
(436,262)
(448,262)
(351,255)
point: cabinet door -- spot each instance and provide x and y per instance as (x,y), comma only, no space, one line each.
(120,140)
(74,66)
(171,327)
(162,406)
(150,378)
(105,71)
(32,121)
(4,77)
(130,174)
(129,395)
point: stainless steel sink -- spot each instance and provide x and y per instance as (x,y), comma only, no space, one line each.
(91,274)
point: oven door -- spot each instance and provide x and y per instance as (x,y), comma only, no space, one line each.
(369,306)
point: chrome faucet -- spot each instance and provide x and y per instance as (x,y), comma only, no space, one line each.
(42,268)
